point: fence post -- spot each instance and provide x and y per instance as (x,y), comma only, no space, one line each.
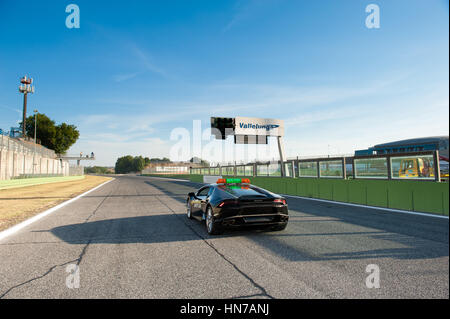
(318,169)
(344,168)
(389,167)
(293,169)
(437,169)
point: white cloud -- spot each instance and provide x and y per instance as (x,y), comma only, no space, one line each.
(11,109)
(244,10)
(395,120)
(147,61)
(124,77)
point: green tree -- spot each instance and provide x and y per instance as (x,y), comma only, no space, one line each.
(96,170)
(55,137)
(65,137)
(124,165)
(128,164)
(199,160)
(138,164)
(160,160)
(45,130)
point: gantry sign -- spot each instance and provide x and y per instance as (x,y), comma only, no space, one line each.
(250,130)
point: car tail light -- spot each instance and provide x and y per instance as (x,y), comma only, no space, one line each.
(227,202)
(280,201)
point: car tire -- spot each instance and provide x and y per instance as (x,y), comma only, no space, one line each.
(188,209)
(211,227)
(279,227)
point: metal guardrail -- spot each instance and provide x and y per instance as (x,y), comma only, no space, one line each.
(24,147)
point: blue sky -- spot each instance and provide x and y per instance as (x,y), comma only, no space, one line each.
(136,70)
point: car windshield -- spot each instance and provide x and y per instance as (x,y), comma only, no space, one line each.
(242,190)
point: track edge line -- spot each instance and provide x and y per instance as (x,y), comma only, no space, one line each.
(14,229)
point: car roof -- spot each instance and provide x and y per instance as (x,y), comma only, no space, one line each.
(219,186)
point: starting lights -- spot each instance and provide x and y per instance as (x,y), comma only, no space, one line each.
(233,181)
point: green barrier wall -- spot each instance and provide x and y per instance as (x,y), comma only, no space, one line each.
(196,178)
(420,196)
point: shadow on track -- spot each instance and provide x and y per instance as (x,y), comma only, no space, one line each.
(141,229)
(384,235)
(415,237)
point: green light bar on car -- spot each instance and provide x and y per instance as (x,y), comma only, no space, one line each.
(233,181)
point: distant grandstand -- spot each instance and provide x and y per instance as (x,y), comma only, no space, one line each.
(169,168)
(420,144)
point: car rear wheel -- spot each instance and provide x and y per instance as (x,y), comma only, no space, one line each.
(188,209)
(211,227)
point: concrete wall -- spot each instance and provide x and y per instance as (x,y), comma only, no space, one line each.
(76,170)
(14,164)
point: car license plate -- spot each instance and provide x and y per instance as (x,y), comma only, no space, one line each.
(257,219)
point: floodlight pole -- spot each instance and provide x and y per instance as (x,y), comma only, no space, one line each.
(35,125)
(24,118)
(25,88)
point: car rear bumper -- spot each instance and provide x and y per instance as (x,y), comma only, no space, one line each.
(253,220)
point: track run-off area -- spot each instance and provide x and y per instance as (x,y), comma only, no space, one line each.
(131,238)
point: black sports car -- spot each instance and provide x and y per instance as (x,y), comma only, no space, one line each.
(235,202)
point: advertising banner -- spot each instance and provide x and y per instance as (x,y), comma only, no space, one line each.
(258,126)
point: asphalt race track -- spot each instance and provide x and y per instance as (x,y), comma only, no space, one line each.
(131,239)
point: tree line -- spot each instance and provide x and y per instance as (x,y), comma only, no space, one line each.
(97,170)
(130,164)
